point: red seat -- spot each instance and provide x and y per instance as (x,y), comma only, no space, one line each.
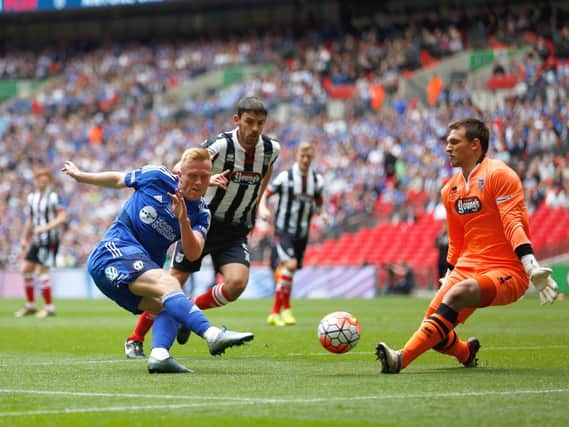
(506,81)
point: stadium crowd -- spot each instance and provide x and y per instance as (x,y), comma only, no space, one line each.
(99,109)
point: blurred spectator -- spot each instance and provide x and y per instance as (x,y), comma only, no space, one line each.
(498,69)
(561,42)
(557,197)
(441,243)
(400,279)
(377,146)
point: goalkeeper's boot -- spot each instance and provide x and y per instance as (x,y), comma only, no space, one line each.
(287,317)
(391,360)
(274,319)
(26,311)
(473,347)
(183,334)
(133,350)
(166,366)
(226,339)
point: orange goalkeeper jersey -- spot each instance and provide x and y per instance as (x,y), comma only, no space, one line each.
(487,218)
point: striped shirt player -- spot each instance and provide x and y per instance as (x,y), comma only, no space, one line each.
(299,191)
(236,205)
(45,218)
(299,197)
(43,208)
(243,162)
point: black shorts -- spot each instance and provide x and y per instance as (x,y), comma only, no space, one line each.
(225,244)
(286,247)
(43,254)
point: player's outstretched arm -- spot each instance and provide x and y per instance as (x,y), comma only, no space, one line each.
(108,179)
(263,209)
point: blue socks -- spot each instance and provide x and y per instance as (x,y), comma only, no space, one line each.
(164,330)
(181,310)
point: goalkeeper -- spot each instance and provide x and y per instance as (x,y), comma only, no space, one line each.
(490,257)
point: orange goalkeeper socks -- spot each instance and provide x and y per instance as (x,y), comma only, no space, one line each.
(431,332)
(453,346)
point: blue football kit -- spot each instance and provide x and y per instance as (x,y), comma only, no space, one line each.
(139,237)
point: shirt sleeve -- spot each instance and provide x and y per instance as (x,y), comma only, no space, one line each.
(508,193)
(276,151)
(202,222)
(455,230)
(29,207)
(275,186)
(54,201)
(147,174)
(133,178)
(319,194)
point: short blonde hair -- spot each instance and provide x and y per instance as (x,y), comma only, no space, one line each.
(195,153)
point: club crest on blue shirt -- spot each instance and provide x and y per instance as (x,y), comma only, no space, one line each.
(138,265)
(480,183)
(148,214)
(111,272)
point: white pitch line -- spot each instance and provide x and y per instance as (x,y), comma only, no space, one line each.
(320,353)
(117,409)
(71,362)
(498,348)
(225,401)
(113,395)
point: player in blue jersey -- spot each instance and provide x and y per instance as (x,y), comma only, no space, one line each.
(243,160)
(127,264)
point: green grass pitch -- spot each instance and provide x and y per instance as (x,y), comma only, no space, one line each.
(71,371)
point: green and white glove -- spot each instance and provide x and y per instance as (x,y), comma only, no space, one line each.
(541,279)
(443,280)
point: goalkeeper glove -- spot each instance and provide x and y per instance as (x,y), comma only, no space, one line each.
(541,279)
(443,280)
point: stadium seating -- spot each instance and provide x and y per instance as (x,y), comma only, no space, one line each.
(506,81)
(414,243)
(123,122)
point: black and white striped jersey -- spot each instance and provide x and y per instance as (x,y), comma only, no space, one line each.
(237,206)
(299,195)
(43,207)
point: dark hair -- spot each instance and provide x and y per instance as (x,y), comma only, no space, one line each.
(251,104)
(474,128)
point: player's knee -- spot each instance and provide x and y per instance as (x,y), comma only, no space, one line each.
(291,264)
(463,294)
(170,283)
(27,268)
(234,287)
(180,276)
(164,285)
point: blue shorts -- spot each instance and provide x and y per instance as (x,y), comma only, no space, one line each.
(114,264)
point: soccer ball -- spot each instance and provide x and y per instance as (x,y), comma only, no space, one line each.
(339,332)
